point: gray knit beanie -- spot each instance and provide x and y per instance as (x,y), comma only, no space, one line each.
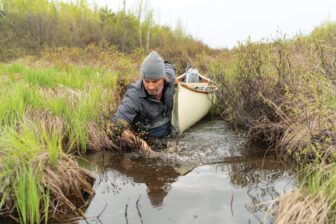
(153,67)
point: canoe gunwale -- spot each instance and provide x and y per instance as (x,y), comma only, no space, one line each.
(204,81)
(197,90)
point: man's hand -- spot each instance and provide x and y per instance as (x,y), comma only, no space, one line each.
(129,137)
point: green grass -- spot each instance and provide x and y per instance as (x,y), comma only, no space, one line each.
(275,90)
(27,195)
(321,180)
(86,111)
(20,170)
(42,110)
(70,92)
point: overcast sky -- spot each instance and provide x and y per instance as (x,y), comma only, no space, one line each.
(222,23)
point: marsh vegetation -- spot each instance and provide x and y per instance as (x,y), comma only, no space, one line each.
(65,66)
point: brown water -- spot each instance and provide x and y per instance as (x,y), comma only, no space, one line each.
(210,179)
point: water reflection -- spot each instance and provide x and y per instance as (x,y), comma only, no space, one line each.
(210,179)
(152,191)
(157,176)
(262,179)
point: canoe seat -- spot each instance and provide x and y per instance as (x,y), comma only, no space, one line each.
(202,88)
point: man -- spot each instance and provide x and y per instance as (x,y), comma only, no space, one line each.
(148,103)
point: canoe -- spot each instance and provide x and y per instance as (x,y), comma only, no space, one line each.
(192,101)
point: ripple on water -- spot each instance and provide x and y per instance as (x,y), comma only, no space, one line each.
(207,142)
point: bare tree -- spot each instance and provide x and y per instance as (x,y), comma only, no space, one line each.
(55,24)
(123,39)
(139,19)
(149,21)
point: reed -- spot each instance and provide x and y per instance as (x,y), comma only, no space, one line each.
(21,172)
(314,201)
(283,93)
(45,112)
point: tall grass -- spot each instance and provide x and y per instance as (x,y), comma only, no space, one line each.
(46,110)
(21,172)
(278,93)
(314,201)
(283,93)
(34,168)
(27,195)
(85,111)
(72,93)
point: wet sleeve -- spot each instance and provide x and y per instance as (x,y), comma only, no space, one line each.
(127,109)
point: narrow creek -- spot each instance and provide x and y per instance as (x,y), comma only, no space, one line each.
(211,178)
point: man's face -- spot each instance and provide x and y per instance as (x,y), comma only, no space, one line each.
(154,87)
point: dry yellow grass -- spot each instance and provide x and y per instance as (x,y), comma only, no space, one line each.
(70,186)
(99,140)
(297,208)
(47,121)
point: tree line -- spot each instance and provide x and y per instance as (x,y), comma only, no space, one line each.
(28,26)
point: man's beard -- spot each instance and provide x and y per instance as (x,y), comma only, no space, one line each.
(155,92)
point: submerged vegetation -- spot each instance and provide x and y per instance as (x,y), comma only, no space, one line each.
(68,65)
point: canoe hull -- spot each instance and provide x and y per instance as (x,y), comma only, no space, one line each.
(189,107)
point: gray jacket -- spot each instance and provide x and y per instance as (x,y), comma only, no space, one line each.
(146,113)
